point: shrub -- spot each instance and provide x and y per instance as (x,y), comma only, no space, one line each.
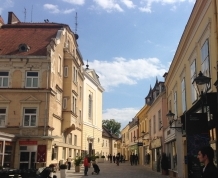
(63,166)
(78,161)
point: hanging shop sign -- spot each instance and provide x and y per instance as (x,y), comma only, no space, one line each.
(156,143)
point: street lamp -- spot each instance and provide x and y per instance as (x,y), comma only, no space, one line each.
(170,117)
(201,83)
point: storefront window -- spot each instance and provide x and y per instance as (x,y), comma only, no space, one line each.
(174,155)
(1,146)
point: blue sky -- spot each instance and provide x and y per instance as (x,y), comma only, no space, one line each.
(129,43)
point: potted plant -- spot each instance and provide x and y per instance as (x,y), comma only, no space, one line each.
(77,163)
(63,169)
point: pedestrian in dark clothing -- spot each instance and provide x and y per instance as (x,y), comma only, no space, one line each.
(121,158)
(131,159)
(96,168)
(47,172)
(117,159)
(114,158)
(136,159)
(110,158)
(205,156)
(164,164)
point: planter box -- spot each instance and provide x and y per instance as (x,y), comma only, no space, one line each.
(77,168)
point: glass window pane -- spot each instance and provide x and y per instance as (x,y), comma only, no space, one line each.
(35,82)
(32,74)
(30,111)
(0,81)
(5,82)
(2,111)
(28,82)
(4,73)
(26,120)
(33,120)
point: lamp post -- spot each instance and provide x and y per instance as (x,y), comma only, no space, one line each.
(170,117)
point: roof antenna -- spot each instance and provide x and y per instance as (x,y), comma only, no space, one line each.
(24,14)
(76,36)
(87,65)
(31,13)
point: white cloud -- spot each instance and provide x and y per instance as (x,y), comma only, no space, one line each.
(55,9)
(128,3)
(128,72)
(68,11)
(123,115)
(76,2)
(52,8)
(148,4)
(109,5)
(5,4)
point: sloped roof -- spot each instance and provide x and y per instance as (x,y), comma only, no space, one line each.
(106,133)
(36,35)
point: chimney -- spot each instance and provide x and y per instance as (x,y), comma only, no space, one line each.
(1,21)
(12,18)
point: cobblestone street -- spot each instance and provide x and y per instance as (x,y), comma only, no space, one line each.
(109,170)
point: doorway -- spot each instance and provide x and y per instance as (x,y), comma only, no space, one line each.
(28,157)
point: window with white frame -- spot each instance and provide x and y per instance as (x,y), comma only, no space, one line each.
(58,95)
(2,117)
(29,117)
(183,95)
(64,153)
(205,60)
(4,77)
(175,104)
(154,122)
(75,140)
(32,79)
(193,76)
(90,107)
(55,153)
(159,119)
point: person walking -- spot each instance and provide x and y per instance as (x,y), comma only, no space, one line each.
(69,162)
(164,164)
(114,158)
(110,158)
(136,159)
(117,159)
(86,165)
(131,159)
(205,156)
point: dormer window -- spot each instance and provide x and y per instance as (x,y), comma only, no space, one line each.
(23,48)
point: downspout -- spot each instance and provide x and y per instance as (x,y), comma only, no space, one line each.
(46,101)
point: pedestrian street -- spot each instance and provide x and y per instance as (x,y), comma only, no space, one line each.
(110,170)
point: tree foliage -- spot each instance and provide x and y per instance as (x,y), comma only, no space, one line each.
(112,126)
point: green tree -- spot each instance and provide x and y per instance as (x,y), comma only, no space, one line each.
(112,126)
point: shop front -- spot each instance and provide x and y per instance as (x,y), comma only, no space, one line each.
(156,149)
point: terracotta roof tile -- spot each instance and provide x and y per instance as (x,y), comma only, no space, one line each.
(36,35)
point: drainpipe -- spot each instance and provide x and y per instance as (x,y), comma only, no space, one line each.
(46,101)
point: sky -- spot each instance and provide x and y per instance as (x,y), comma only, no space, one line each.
(129,43)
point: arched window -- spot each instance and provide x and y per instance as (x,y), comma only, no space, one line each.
(90,107)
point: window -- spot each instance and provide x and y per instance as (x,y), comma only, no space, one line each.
(205,60)
(55,153)
(2,117)
(74,104)
(58,96)
(183,95)
(70,138)
(64,153)
(64,103)
(80,116)
(59,65)
(80,93)
(65,71)
(74,74)
(154,120)
(90,107)
(75,140)
(175,104)
(29,117)
(193,75)
(159,119)
(150,126)
(4,79)
(32,79)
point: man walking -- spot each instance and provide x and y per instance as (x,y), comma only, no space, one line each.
(69,162)
(205,156)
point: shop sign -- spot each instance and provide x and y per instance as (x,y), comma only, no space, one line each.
(27,142)
(41,153)
(156,143)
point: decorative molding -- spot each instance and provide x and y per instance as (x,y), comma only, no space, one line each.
(57,117)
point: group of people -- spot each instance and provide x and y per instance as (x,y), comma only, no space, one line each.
(134,159)
(119,158)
